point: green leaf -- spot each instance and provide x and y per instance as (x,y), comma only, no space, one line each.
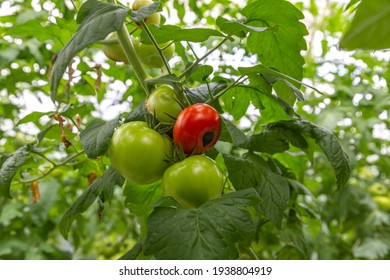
(108,179)
(252,171)
(45,131)
(200,73)
(284,132)
(95,139)
(204,92)
(140,113)
(9,166)
(141,198)
(231,133)
(274,139)
(372,249)
(290,253)
(237,100)
(144,11)
(351,3)
(71,110)
(133,253)
(370,27)
(167,33)
(33,117)
(281,49)
(294,234)
(238,26)
(331,147)
(166,79)
(267,71)
(97,19)
(8,55)
(208,232)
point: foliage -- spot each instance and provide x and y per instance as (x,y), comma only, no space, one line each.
(304,134)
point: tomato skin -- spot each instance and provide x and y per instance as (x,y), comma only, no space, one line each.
(378,189)
(150,56)
(383,202)
(193,181)
(139,153)
(162,103)
(114,51)
(146,53)
(197,128)
(153,18)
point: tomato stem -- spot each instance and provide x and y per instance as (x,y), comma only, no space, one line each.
(198,60)
(54,166)
(132,57)
(159,50)
(240,80)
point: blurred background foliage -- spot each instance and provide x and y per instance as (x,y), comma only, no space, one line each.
(349,224)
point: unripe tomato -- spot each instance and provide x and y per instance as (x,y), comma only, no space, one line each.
(162,103)
(197,128)
(383,202)
(378,189)
(193,181)
(114,51)
(150,56)
(153,18)
(139,153)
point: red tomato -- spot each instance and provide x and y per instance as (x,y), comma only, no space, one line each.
(197,128)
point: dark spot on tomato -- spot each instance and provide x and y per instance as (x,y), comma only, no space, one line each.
(207,138)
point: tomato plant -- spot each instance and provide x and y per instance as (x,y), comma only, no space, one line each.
(193,181)
(197,128)
(139,153)
(249,75)
(163,104)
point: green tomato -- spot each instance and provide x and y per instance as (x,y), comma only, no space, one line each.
(193,181)
(378,189)
(383,202)
(150,56)
(162,103)
(139,153)
(57,173)
(114,51)
(153,18)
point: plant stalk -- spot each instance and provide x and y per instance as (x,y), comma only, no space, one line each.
(132,57)
(159,50)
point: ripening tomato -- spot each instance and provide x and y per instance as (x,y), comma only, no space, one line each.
(197,128)
(193,181)
(162,103)
(153,18)
(139,153)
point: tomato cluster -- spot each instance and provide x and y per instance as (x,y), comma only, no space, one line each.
(143,155)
